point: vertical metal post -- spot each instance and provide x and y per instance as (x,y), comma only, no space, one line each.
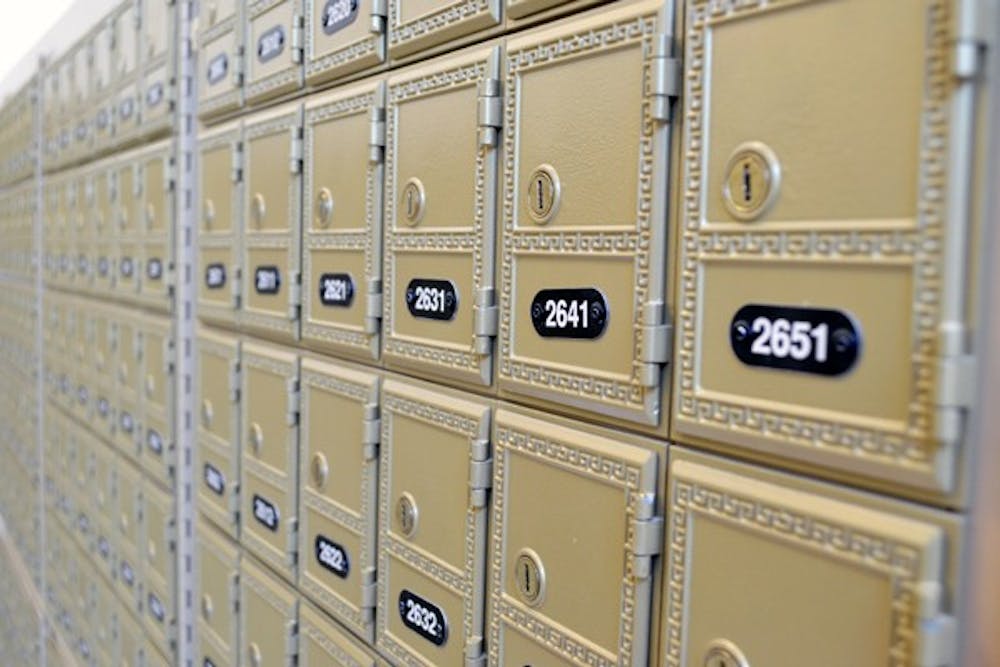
(37,254)
(184,310)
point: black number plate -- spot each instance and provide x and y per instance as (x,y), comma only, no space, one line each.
(267,280)
(154,95)
(432,299)
(126,422)
(218,67)
(155,442)
(214,479)
(332,556)
(336,289)
(423,617)
(807,340)
(154,269)
(126,267)
(156,608)
(265,513)
(215,276)
(271,44)
(580,312)
(338,14)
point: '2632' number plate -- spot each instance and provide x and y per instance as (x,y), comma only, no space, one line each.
(423,617)
(807,340)
(569,313)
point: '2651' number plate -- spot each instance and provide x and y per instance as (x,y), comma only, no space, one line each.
(423,617)
(807,340)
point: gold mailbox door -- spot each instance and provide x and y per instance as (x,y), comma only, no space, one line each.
(416,25)
(440,216)
(343,37)
(217,597)
(584,577)
(269,455)
(271,284)
(221,174)
(433,498)
(217,464)
(338,478)
(273,49)
(342,225)
(268,616)
(763,568)
(820,297)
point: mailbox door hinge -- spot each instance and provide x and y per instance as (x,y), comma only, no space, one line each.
(373,306)
(294,294)
(485,320)
(937,636)
(378,17)
(666,74)
(973,35)
(376,135)
(291,542)
(956,391)
(238,68)
(369,592)
(298,32)
(647,536)
(490,111)
(294,402)
(480,468)
(236,286)
(234,381)
(237,167)
(657,338)
(295,150)
(292,643)
(169,179)
(168,356)
(371,432)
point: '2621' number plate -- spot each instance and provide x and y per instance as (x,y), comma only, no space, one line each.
(807,340)
(423,617)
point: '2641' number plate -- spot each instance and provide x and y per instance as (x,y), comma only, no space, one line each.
(569,313)
(807,340)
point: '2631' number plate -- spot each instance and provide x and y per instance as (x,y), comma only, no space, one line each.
(432,299)
(808,340)
(423,617)
(569,313)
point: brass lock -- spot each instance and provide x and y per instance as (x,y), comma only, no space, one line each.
(206,607)
(150,385)
(413,201)
(256,437)
(320,470)
(324,208)
(207,413)
(258,208)
(253,653)
(406,514)
(543,193)
(208,213)
(753,176)
(529,577)
(724,653)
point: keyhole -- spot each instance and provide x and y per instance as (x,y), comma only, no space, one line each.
(529,577)
(540,185)
(543,193)
(409,204)
(413,201)
(746,183)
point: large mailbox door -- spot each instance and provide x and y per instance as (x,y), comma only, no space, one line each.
(103,357)
(129,343)
(434,481)
(343,37)
(274,48)
(422,24)
(323,643)
(583,316)
(156,226)
(440,216)
(271,223)
(577,584)
(821,313)
(157,553)
(156,398)
(80,203)
(268,616)
(342,224)
(157,30)
(338,473)
(269,455)
(127,226)
(125,24)
(217,465)
(221,176)
(217,598)
(754,556)
(157,100)
(220,74)
(105,195)
(128,112)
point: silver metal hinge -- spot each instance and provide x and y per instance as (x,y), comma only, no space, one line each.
(169,180)
(474,654)
(295,150)
(237,287)
(956,392)
(237,163)
(294,402)
(298,31)
(234,381)
(371,435)
(667,75)
(294,294)
(938,633)
(234,592)
(238,68)
(378,17)
(292,539)
(654,352)
(490,111)
(373,306)
(376,135)
(168,349)
(485,320)
(976,21)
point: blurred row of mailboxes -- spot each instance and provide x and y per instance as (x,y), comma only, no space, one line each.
(526,538)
